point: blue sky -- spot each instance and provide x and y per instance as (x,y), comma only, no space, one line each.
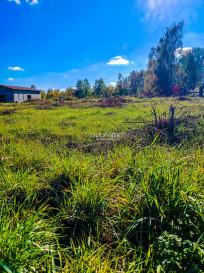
(52,43)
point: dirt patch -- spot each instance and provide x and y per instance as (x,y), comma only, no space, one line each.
(72,145)
(109,114)
(98,147)
(64,124)
(9,121)
(7,112)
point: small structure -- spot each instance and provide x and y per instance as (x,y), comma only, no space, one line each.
(9,93)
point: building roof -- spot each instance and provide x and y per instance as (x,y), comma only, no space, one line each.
(19,88)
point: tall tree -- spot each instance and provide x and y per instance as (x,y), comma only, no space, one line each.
(135,82)
(126,86)
(56,93)
(69,92)
(188,70)
(50,94)
(99,88)
(198,54)
(141,75)
(87,88)
(43,95)
(83,88)
(119,86)
(79,91)
(192,72)
(164,54)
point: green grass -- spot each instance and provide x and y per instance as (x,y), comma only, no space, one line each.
(73,202)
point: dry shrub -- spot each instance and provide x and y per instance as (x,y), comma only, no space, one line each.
(166,127)
(182,98)
(112,102)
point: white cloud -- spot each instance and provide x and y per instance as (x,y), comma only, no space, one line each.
(10,79)
(113,84)
(17,1)
(16,68)
(62,90)
(118,60)
(182,51)
(34,2)
(31,2)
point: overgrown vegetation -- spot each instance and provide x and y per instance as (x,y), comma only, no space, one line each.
(112,185)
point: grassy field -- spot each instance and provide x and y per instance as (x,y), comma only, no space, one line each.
(91,188)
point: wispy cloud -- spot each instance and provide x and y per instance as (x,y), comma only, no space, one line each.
(167,10)
(31,2)
(17,1)
(34,2)
(118,60)
(10,79)
(16,68)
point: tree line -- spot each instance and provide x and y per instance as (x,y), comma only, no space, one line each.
(170,68)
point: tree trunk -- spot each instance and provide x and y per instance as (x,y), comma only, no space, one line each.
(201,91)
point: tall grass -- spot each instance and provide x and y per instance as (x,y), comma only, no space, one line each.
(27,239)
(70,202)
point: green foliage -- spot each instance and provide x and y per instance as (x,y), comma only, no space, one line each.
(99,88)
(75,199)
(27,239)
(192,75)
(198,54)
(53,94)
(79,92)
(43,95)
(83,88)
(188,70)
(149,87)
(70,92)
(164,54)
(176,254)
(131,85)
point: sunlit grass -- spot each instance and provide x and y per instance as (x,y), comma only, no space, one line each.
(123,208)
